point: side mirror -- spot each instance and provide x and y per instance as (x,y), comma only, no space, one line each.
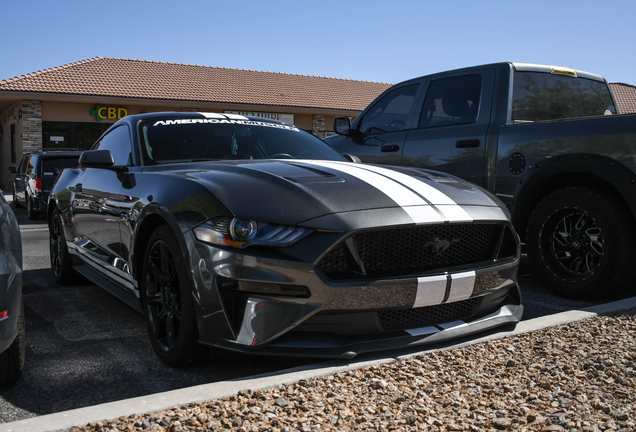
(352,158)
(341,125)
(12,170)
(96,159)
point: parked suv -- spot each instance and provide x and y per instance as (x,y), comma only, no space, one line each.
(35,176)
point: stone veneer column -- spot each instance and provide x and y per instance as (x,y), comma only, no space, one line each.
(31,126)
(318,125)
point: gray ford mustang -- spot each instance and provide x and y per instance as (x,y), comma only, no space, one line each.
(253,235)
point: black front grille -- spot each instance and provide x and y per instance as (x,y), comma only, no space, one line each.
(403,251)
(399,319)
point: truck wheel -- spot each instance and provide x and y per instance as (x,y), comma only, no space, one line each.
(580,243)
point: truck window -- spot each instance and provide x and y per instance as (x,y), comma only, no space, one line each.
(389,113)
(540,96)
(451,101)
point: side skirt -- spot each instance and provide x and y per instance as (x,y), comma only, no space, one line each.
(110,286)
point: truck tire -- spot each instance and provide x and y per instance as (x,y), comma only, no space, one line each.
(580,242)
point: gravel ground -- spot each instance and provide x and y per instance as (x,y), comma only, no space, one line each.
(579,376)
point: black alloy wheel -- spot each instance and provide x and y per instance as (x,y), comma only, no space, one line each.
(575,242)
(61,263)
(167,300)
(580,242)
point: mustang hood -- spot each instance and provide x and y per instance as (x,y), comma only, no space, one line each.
(293,192)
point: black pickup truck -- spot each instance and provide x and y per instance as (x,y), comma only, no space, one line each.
(546,140)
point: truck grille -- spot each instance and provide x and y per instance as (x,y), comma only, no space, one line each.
(399,319)
(404,251)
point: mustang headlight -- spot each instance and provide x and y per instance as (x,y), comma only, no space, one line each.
(240,233)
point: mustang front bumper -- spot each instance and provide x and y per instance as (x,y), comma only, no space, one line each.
(270,302)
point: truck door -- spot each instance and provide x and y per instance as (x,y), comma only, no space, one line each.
(453,125)
(383,127)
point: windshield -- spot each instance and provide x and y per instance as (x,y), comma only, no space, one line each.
(189,140)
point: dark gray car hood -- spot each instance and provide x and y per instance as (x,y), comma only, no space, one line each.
(296,191)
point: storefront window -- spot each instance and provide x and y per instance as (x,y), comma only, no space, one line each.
(56,135)
(86,134)
(71,135)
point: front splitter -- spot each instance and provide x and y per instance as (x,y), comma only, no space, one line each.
(336,346)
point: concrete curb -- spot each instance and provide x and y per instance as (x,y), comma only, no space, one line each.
(201,393)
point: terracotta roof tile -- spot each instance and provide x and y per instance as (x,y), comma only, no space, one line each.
(625,95)
(104,76)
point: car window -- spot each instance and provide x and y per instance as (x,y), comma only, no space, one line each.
(186,140)
(451,101)
(541,96)
(29,165)
(390,112)
(23,164)
(54,165)
(118,142)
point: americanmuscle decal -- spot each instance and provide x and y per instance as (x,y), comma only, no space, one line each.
(226,121)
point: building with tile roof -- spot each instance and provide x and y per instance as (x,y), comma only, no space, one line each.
(71,105)
(625,95)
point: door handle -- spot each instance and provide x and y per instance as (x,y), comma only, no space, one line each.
(389,148)
(467,143)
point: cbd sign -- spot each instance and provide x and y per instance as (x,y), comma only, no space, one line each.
(110,113)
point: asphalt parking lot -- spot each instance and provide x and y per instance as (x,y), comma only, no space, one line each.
(85,347)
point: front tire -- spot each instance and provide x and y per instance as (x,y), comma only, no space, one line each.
(61,263)
(12,359)
(16,204)
(580,242)
(167,301)
(31,213)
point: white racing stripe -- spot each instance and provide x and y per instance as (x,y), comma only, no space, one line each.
(452,325)
(430,290)
(443,202)
(462,285)
(423,331)
(101,267)
(414,205)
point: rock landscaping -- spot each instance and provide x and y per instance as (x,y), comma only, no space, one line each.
(579,376)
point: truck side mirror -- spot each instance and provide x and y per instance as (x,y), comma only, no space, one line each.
(341,125)
(352,158)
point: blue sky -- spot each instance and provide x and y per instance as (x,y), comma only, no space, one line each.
(385,41)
